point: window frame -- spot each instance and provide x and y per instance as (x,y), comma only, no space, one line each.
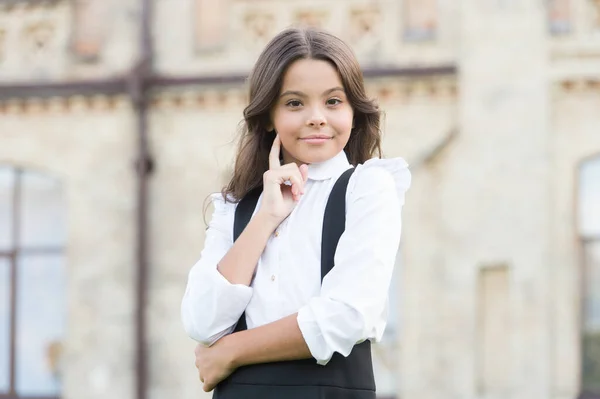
(583,242)
(12,254)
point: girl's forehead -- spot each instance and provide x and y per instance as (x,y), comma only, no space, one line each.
(311,74)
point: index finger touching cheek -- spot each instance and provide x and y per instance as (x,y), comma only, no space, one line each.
(274,154)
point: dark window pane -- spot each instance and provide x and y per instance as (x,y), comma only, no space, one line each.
(41,307)
(43,212)
(591,319)
(7,176)
(4,324)
(589,194)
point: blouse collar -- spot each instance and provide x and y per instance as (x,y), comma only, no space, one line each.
(327,169)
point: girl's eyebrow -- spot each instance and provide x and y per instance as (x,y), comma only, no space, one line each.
(300,94)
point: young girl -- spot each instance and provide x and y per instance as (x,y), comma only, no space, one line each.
(292,282)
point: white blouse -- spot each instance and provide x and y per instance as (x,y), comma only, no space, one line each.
(351,304)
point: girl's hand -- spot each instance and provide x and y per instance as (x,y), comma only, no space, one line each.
(214,364)
(283,185)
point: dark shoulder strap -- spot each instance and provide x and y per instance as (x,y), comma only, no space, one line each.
(243,214)
(244,210)
(334,221)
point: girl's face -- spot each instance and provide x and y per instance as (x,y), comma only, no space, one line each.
(312,114)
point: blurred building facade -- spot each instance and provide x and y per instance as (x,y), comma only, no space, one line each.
(117,119)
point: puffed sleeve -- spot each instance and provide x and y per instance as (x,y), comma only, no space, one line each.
(352,305)
(211,305)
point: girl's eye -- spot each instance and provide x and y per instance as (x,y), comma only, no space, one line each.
(334,101)
(293,103)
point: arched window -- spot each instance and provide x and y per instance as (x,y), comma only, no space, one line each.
(589,230)
(32,284)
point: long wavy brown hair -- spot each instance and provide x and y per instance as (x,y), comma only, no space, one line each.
(265,83)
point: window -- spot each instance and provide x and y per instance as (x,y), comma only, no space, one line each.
(559,16)
(32,284)
(420,19)
(90,29)
(211,23)
(589,230)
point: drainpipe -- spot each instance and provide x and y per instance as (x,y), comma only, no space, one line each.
(138,92)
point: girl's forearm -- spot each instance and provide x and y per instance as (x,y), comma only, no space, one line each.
(238,265)
(278,341)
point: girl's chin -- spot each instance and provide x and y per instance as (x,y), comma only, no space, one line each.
(314,156)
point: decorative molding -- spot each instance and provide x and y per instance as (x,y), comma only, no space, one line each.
(7,6)
(33,40)
(365,25)
(259,26)
(577,85)
(202,98)
(63,105)
(210,92)
(595,4)
(218,98)
(383,90)
(37,37)
(2,43)
(63,89)
(560,54)
(425,88)
(317,18)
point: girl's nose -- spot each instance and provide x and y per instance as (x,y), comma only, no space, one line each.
(316,121)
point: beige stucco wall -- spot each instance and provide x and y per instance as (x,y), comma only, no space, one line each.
(92,152)
(489,284)
(238,30)
(192,146)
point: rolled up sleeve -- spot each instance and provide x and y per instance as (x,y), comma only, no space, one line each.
(211,305)
(352,305)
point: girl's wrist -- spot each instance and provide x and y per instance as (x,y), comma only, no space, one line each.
(267,221)
(231,350)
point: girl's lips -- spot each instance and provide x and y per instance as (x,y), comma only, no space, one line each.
(316,140)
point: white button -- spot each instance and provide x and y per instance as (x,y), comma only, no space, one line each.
(273,277)
(276,233)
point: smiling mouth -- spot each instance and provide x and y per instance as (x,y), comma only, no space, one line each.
(316,139)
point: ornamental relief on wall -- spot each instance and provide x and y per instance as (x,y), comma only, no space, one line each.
(32,41)
(2,43)
(246,27)
(595,15)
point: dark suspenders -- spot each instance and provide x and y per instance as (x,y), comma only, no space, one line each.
(334,223)
(348,377)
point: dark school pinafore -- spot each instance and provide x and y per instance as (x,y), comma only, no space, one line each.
(342,377)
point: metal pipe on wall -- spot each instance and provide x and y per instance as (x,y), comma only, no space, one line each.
(140,77)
